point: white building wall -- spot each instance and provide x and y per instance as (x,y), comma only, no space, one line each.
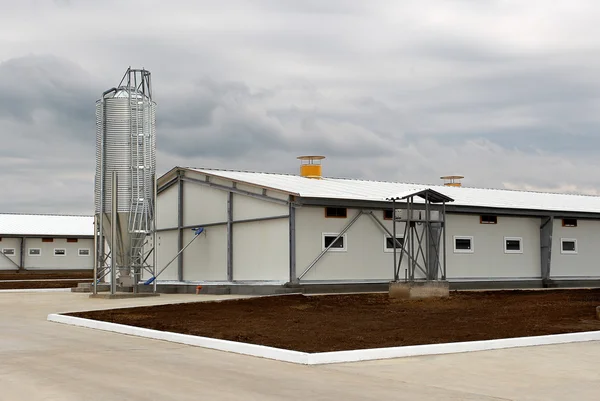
(165,251)
(488,259)
(585,262)
(261,250)
(166,208)
(206,258)
(48,260)
(6,263)
(246,207)
(202,204)
(364,257)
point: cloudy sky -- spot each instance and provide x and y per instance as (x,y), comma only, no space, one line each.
(504,92)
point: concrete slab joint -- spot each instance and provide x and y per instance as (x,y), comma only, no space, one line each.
(419,289)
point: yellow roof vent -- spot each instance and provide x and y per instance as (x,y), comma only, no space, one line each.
(310,166)
(452,180)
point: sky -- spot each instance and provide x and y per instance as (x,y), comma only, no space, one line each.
(506,93)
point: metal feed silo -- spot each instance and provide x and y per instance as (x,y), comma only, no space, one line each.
(125,159)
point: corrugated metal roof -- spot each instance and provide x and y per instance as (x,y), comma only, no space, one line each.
(341,188)
(46,225)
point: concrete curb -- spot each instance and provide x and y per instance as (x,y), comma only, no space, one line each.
(38,290)
(204,342)
(321,358)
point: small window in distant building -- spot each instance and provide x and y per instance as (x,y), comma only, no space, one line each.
(488,219)
(568,245)
(8,251)
(336,245)
(513,245)
(47,239)
(463,244)
(71,239)
(340,212)
(388,214)
(84,252)
(35,251)
(389,243)
(569,222)
(60,252)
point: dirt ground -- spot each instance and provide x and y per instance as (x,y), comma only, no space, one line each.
(344,322)
(43,279)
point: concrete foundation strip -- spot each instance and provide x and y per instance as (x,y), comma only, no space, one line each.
(320,358)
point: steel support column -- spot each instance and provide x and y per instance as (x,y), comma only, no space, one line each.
(292,238)
(96,257)
(394,236)
(230,236)
(180,226)
(22,255)
(113,239)
(546,229)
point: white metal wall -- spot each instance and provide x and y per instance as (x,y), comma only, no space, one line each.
(166,208)
(46,259)
(488,259)
(260,249)
(364,258)
(582,264)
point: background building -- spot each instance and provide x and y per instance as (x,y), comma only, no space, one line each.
(46,242)
(266,228)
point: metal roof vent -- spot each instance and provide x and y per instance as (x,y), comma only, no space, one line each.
(310,166)
(452,180)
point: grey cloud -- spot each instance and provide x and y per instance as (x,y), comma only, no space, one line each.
(50,84)
(387,91)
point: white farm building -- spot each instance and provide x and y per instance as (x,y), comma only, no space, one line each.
(294,230)
(46,242)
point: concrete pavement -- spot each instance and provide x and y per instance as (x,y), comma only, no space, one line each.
(40,360)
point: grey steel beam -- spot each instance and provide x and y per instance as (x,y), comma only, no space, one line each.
(222,223)
(444,239)
(452,209)
(314,262)
(292,239)
(455,209)
(546,229)
(9,259)
(236,190)
(167,185)
(393,235)
(96,258)
(230,236)
(180,202)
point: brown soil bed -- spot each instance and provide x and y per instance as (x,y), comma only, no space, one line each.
(20,285)
(344,322)
(43,275)
(12,280)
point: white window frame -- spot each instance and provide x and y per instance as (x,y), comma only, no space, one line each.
(469,237)
(58,249)
(520,239)
(345,239)
(35,256)
(83,249)
(391,250)
(562,240)
(14,253)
